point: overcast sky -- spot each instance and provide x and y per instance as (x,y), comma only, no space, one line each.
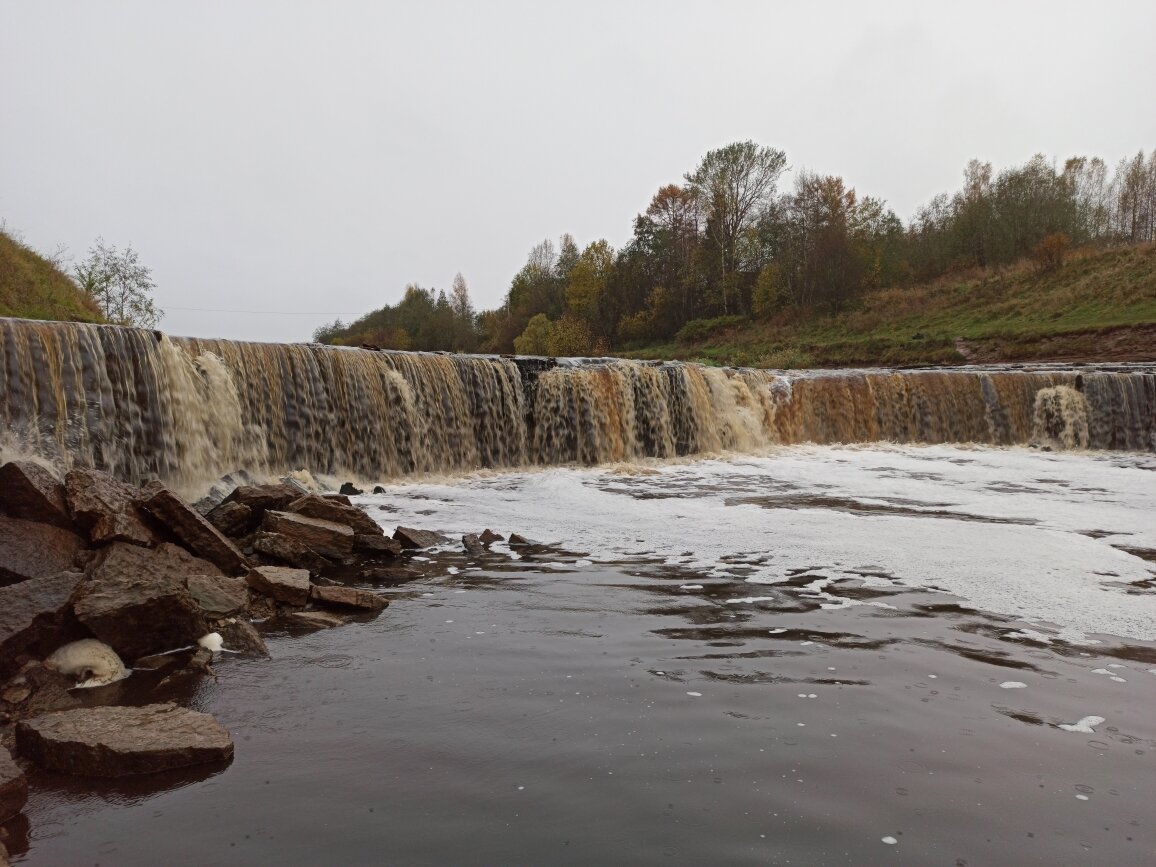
(305,160)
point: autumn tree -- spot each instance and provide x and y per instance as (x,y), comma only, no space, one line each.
(120,285)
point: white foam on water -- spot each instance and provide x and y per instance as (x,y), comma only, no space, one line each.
(1004,529)
(890,841)
(690,587)
(1013,684)
(695,694)
(1085,726)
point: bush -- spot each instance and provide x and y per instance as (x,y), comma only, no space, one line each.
(700,329)
(1050,251)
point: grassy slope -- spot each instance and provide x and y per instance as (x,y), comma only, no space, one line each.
(1013,314)
(31,287)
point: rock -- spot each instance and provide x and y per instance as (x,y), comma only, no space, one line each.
(330,509)
(137,601)
(119,741)
(348,597)
(260,498)
(377,546)
(106,509)
(13,787)
(389,574)
(31,550)
(218,595)
(30,492)
(329,539)
(299,487)
(488,537)
(473,544)
(240,636)
(515,539)
(378,489)
(51,690)
(290,586)
(288,551)
(198,535)
(31,614)
(232,519)
(412,538)
(193,665)
(315,619)
(349,490)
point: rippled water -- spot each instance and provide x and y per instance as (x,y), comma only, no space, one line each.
(825,656)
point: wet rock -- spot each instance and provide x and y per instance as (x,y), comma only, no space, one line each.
(473,544)
(299,487)
(288,551)
(119,741)
(315,619)
(31,550)
(232,519)
(222,488)
(418,539)
(13,787)
(327,538)
(376,546)
(378,489)
(50,690)
(198,535)
(106,509)
(193,665)
(488,537)
(515,539)
(32,493)
(218,595)
(290,586)
(240,636)
(137,601)
(261,498)
(348,597)
(393,574)
(349,490)
(31,616)
(330,509)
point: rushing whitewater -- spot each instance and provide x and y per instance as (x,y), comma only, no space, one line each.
(140,404)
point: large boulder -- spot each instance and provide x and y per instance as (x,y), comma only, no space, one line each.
(13,787)
(376,546)
(330,509)
(329,539)
(288,551)
(410,537)
(31,550)
(31,492)
(290,586)
(31,614)
(106,509)
(119,741)
(218,595)
(233,519)
(240,636)
(198,535)
(137,599)
(348,597)
(261,498)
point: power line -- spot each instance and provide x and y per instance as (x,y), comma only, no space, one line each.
(259,312)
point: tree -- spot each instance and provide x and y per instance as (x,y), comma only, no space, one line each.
(733,186)
(535,340)
(120,285)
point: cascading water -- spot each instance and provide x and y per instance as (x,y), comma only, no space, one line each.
(140,404)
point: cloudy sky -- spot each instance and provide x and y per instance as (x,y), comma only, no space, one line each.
(290,162)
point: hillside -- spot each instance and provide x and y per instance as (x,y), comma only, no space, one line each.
(31,287)
(1100,305)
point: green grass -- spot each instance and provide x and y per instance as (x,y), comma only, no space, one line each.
(31,287)
(1014,313)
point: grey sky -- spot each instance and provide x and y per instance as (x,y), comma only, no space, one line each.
(317,157)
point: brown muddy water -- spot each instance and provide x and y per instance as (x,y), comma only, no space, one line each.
(636,710)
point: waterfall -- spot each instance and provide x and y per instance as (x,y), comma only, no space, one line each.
(141,405)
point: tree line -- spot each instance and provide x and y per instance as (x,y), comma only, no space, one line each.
(726,244)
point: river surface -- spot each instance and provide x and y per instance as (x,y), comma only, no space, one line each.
(867,655)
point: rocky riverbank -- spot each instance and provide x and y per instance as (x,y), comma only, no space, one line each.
(111,596)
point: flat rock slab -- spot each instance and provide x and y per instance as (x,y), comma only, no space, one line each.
(32,550)
(290,586)
(410,537)
(190,527)
(31,492)
(137,601)
(13,787)
(232,519)
(327,538)
(376,546)
(327,509)
(120,741)
(218,595)
(288,551)
(349,597)
(260,498)
(106,509)
(315,619)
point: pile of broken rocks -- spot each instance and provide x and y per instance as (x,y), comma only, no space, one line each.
(91,559)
